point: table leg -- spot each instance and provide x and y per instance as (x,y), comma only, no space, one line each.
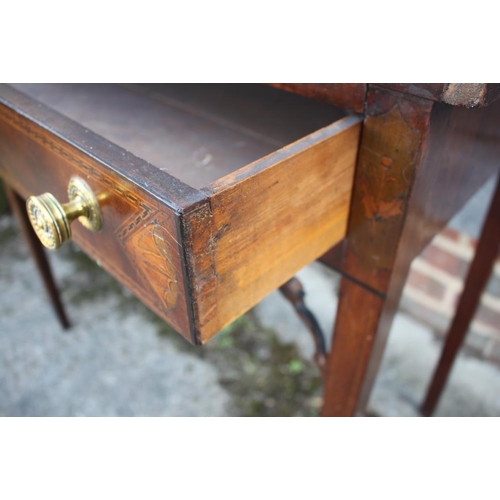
(18,207)
(477,278)
(419,162)
(355,329)
(389,155)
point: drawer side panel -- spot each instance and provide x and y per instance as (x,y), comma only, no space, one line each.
(274,217)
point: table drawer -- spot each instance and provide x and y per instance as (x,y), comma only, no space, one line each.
(239,186)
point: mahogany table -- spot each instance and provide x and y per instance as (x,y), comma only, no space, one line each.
(425,149)
(206,198)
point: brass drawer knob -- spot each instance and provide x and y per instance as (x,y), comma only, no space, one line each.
(51,220)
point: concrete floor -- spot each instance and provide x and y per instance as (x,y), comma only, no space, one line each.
(111,362)
(410,357)
(114,362)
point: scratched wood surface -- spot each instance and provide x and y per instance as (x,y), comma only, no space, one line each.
(419,162)
(344,95)
(273,217)
(139,243)
(196,133)
(198,258)
(352,95)
(392,137)
(390,148)
(460,153)
(469,95)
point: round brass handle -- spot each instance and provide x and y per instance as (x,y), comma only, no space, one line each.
(51,220)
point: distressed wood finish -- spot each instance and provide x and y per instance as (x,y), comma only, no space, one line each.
(344,95)
(275,196)
(470,95)
(273,217)
(196,133)
(333,257)
(390,149)
(356,324)
(139,244)
(449,153)
(460,153)
(198,258)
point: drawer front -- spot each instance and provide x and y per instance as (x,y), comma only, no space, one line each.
(139,243)
(198,258)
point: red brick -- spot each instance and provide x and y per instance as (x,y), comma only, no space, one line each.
(450,234)
(426,284)
(445,261)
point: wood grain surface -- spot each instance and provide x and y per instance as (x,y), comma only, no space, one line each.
(198,258)
(470,95)
(444,154)
(276,215)
(195,133)
(344,95)
(140,243)
(461,152)
(390,149)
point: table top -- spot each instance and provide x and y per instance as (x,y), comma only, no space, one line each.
(352,95)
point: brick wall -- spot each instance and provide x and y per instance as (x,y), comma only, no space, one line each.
(434,286)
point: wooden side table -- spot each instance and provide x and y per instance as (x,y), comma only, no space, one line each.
(425,150)
(407,165)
